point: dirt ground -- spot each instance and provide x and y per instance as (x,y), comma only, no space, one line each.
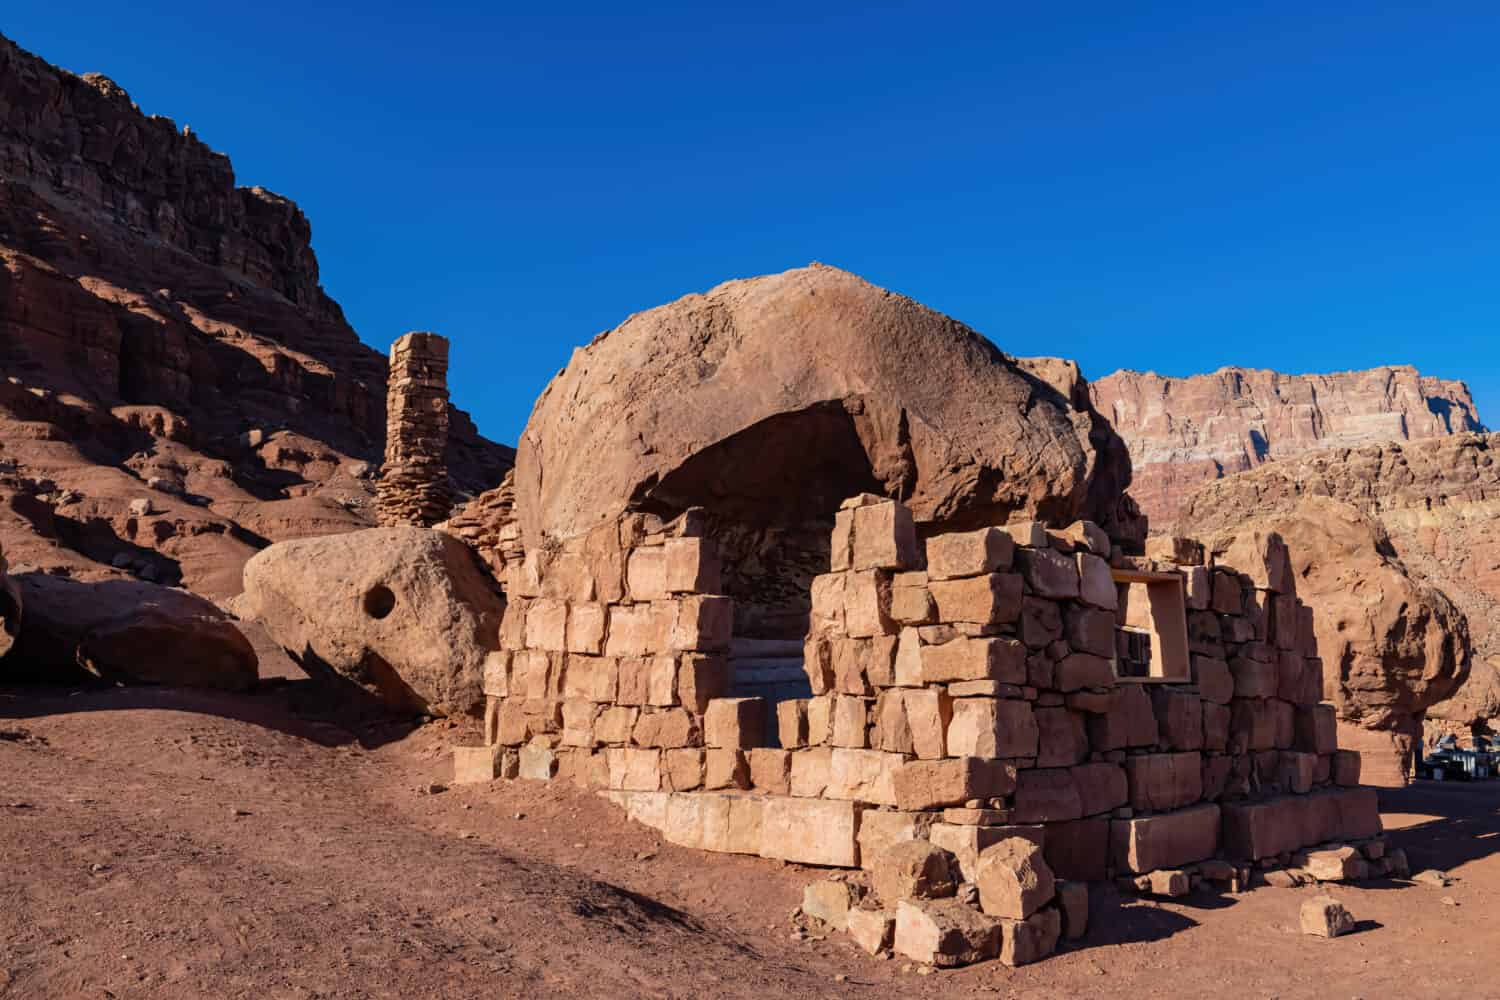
(159,843)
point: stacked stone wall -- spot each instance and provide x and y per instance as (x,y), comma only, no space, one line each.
(414,488)
(964,694)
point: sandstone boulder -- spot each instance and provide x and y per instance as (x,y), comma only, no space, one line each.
(10,609)
(405,613)
(126,631)
(778,396)
(1014,879)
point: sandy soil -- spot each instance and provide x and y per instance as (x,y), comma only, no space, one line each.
(158,843)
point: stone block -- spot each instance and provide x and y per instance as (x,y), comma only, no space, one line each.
(1215,726)
(827,617)
(1041,622)
(1297,771)
(1175,549)
(1090,630)
(945,933)
(931,784)
(1254,679)
(830,901)
(849,723)
(914,721)
(969,553)
(1179,718)
(992,599)
(1083,670)
(1046,795)
(636,630)
(1252,725)
(585,629)
(1062,740)
(1079,849)
(578,723)
(1214,681)
(872,930)
(862,776)
(1165,840)
(1096,584)
(473,765)
(735,723)
(912,869)
(842,541)
(867,604)
(1337,864)
(771,770)
(1324,916)
(1130,722)
(537,762)
(1073,903)
(879,829)
(701,680)
(908,662)
(1316,729)
(791,723)
(992,728)
(646,574)
(615,724)
(966,842)
(1346,767)
(1199,587)
(547,625)
(811,831)
(810,772)
(630,769)
(691,566)
(967,659)
(725,769)
(1227,596)
(911,601)
(1102,787)
(682,769)
(1014,879)
(1161,781)
(702,623)
(885,537)
(591,678)
(1049,573)
(497,674)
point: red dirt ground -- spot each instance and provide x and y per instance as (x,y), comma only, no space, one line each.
(159,843)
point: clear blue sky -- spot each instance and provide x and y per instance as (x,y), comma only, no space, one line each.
(1167,186)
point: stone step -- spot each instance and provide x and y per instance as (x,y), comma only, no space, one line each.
(741,648)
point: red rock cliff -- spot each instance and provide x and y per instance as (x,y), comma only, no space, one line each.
(1183,432)
(177,387)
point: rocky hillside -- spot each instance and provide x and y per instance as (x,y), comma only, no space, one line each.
(178,390)
(1183,432)
(1439,502)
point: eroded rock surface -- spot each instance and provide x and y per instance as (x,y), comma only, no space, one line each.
(10,608)
(792,391)
(405,613)
(1183,432)
(1438,502)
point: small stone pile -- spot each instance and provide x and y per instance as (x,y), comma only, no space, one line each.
(414,487)
(489,526)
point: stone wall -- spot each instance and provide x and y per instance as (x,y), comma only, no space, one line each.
(964,693)
(414,487)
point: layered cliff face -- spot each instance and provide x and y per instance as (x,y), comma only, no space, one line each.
(1183,432)
(1438,502)
(178,390)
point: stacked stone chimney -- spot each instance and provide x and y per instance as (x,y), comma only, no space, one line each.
(414,487)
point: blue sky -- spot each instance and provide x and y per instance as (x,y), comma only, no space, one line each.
(1165,186)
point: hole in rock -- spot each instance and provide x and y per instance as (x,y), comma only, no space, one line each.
(379,601)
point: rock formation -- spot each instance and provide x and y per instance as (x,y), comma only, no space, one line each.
(407,614)
(793,391)
(10,608)
(1391,646)
(1437,501)
(414,488)
(126,631)
(176,389)
(1183,432)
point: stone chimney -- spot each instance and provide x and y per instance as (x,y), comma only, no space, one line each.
(414,487)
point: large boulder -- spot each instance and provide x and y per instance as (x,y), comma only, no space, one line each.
(126,631)
(405,613)
(10,609)
(1391,646)
(776,397)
